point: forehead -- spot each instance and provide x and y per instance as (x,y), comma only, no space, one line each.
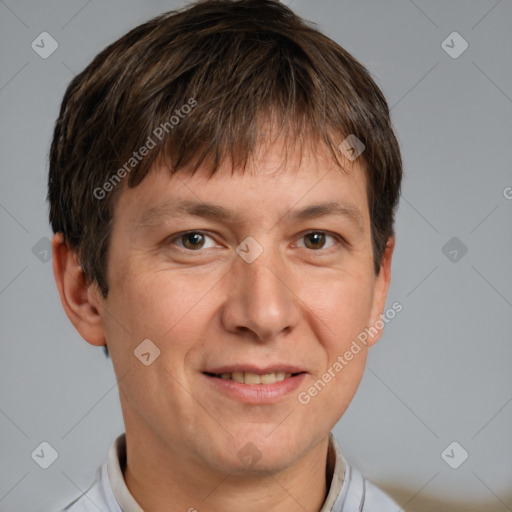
(308,182)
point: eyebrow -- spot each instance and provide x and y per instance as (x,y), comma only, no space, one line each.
(157,213)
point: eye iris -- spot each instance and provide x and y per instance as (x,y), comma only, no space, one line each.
(196,237)
(319,239)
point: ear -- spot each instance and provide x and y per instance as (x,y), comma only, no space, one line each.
(380,293)
(81,301)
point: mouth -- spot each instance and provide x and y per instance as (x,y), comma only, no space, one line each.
(252,378)
(252,385)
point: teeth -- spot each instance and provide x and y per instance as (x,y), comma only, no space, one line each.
(254,378)
(251,378)
(238,377)
(268,378)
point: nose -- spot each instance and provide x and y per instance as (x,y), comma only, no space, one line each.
(260,303)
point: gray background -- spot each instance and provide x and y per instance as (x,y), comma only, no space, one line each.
(441,372)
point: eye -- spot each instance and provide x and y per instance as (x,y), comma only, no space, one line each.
(316,240)
(192,240)
(195,240)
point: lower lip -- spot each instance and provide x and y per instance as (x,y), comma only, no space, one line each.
(257,393)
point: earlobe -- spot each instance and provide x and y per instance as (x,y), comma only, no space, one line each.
(79,300)
(380,293)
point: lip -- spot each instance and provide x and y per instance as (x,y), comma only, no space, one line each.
(256,393)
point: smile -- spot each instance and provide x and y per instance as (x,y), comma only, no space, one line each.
(253,378)
(266,386)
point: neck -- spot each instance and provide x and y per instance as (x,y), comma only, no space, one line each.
(156,475)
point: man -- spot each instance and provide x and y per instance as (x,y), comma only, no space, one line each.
(222,187)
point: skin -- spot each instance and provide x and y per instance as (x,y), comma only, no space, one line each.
(301,302)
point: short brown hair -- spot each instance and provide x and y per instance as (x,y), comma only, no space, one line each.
(239,63)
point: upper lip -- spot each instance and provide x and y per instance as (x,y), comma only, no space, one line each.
(250,368)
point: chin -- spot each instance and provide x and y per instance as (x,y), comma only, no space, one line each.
(261,449)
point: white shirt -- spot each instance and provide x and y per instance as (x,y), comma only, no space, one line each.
(349,491)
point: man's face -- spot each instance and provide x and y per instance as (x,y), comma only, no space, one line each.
(265,290)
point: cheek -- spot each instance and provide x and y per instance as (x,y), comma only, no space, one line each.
(153,303)
(344,312)
(153,306)
(344,307)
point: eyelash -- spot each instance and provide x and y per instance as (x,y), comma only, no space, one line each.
(171,240)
